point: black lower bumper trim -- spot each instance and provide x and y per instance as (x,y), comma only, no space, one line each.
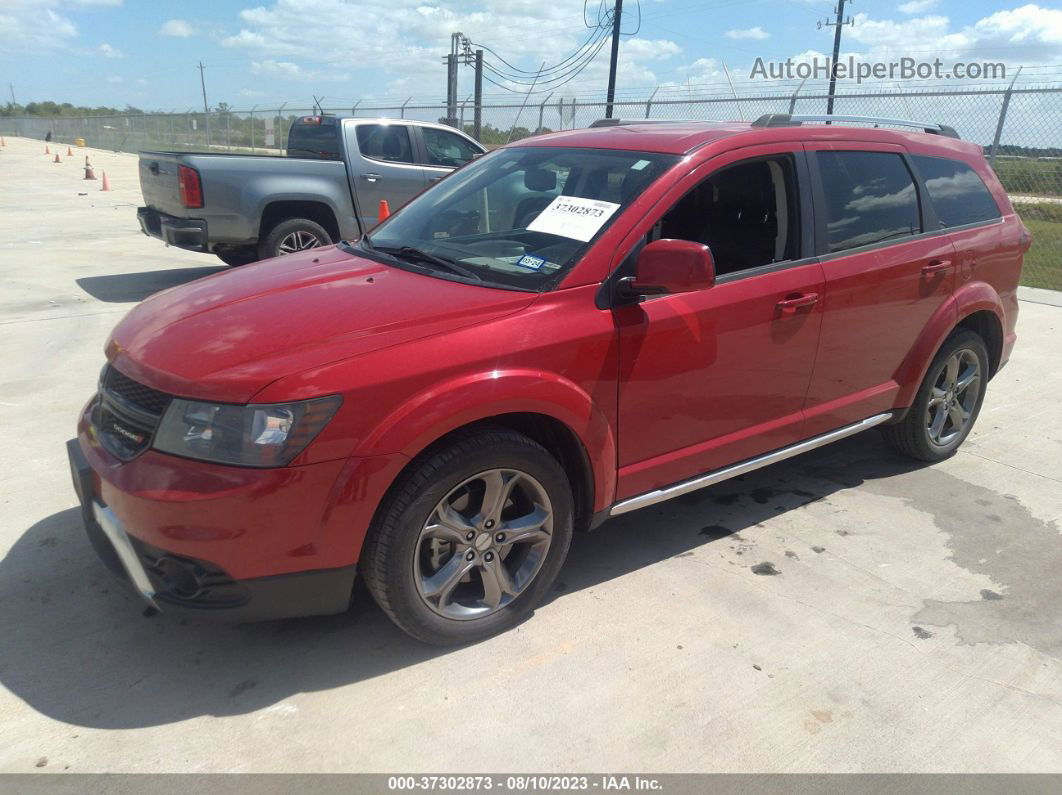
(199,589)
(186,233)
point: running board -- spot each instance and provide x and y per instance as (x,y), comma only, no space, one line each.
(719,475)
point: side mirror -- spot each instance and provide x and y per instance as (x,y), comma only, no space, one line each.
(672,266)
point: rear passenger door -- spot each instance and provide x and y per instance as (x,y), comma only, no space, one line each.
(382,167)
(884,277)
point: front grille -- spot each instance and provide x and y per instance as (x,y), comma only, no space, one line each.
(143,397)
(127,414)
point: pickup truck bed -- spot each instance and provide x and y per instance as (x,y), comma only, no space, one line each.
(329,187)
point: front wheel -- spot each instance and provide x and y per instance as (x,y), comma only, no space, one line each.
(947,403)
(472,538)
(294,234)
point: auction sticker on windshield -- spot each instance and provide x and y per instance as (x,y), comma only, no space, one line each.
(573,217)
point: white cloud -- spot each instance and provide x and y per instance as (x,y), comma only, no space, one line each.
(141,81)
(917,6)
(28,28)
(1027,34)
(272,68)
(757,33)
(177,28)
(35,26)
(115,80)
(406,38)
(107,51)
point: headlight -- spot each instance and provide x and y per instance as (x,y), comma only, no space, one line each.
(263,435)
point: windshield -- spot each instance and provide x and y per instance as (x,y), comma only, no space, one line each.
(518,217)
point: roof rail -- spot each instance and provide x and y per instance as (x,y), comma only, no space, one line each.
(626,122)
(785,120)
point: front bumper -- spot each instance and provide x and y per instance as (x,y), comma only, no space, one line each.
(179,583)
(187,233)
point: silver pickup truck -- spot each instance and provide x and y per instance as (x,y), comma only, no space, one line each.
(329,187)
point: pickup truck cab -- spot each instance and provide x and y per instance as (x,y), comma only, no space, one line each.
(329,186)
(572,327)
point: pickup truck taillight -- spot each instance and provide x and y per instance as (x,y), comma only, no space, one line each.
(190,186)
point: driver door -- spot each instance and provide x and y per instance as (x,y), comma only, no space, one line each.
(715,376)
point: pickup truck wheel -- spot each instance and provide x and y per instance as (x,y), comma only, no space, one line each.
(471,539)
(238,256)
(947,403)
(294,234)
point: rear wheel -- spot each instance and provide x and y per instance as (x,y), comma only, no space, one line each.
(472,539)
(294,234)
(947,403)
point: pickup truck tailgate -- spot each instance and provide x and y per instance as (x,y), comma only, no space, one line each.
(158,182)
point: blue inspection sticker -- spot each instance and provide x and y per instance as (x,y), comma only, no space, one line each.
(530,262)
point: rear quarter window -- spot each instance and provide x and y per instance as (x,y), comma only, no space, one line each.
(870,198)
(320,141)
(957,192)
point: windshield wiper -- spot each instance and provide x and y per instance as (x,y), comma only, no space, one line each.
(419,255)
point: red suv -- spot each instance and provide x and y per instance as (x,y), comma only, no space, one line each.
(569,328)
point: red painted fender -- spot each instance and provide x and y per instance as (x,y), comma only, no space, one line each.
(426,417)
(969,298)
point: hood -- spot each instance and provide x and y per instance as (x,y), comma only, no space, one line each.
(227,336)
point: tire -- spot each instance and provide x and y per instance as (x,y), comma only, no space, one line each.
(235,257)
(296,234)
(914,436)
(411,555)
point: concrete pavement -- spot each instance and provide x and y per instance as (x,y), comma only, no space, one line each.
(914,623)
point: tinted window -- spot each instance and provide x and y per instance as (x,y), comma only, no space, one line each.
(385,142)
(870,197)
(446,149)
(958,194)
(314,140)
(747,214)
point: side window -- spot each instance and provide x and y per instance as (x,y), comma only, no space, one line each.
(385,142)
(747,214)
(870,197)
(958,194)
(446,149)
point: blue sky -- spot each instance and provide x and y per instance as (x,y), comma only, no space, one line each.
(144,53)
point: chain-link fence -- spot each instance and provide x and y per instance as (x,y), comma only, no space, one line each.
(1020,128)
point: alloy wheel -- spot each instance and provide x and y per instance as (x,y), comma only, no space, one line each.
(953,397)
(483,544)
(298,241)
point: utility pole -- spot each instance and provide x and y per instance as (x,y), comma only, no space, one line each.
(617,14)
(837,24)
(477,118)
(12,87)
(456,43)
(202,83)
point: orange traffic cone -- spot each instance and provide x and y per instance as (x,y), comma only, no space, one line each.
(69,152)
(47,151)
(384,212)
(89,173)
(106,185)
(57,160)
(2,141)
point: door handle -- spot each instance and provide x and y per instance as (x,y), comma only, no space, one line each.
(370,177)
(794,302)
(434,179)
(936,266)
